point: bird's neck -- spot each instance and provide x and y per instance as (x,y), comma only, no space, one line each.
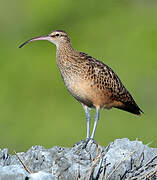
(64,50)
(65,58)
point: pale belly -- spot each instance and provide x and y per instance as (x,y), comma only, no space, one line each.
(89,94)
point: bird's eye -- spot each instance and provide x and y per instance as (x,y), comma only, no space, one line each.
(57,35)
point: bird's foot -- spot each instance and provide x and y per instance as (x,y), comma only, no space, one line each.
(89,141)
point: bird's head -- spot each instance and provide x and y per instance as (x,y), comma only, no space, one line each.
(57,37)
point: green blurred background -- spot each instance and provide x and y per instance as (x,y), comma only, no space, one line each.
(36,108)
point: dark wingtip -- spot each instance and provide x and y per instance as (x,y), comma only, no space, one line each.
(140,112)
(131,107)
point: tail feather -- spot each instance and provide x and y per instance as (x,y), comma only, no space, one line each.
(131,107)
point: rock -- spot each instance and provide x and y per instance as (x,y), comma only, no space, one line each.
(121,159)
(12,172)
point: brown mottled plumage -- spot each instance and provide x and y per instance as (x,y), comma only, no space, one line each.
(91,82)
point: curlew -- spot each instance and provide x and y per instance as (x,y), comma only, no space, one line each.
(90,81)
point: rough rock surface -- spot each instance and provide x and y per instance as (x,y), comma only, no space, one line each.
(121,159)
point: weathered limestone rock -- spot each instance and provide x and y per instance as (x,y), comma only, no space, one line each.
(121,159)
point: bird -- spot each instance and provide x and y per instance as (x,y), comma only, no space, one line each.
(90,81)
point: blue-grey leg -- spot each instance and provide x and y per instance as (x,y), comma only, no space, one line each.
(88,118)
(95,123)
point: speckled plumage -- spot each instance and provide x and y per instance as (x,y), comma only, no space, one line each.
(90,81)
(101,86)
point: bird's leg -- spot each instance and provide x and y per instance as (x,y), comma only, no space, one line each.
(88,118)
(95,123)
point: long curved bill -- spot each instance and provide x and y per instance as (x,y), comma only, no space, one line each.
(36,39)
